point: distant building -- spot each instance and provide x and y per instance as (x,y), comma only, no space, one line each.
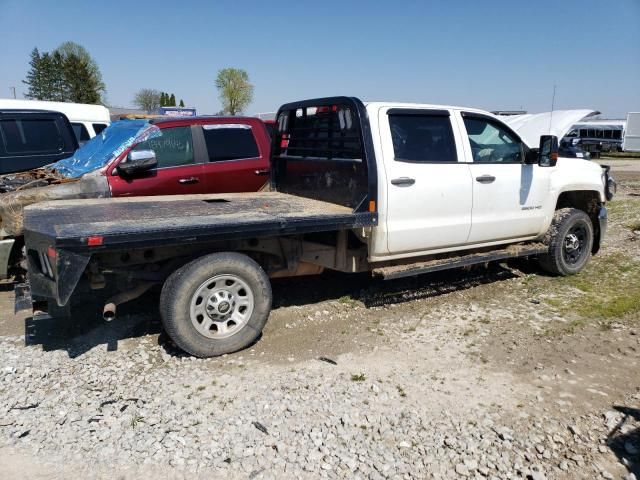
(266,115)
(509,112)
(118,113)
(177,111)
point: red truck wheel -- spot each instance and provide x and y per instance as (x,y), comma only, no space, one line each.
(216,304)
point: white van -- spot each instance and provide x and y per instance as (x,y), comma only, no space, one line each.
(87,120)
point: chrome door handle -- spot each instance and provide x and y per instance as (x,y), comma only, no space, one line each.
(261,172)
(188,181)
(486,179)
(403,181)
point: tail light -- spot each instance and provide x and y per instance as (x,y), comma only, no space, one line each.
(95,240)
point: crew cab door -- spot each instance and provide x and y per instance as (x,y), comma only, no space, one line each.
(179,170)
(428,187)
(236,161)
(509,197)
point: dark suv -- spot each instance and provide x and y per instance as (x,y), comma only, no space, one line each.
(33,138)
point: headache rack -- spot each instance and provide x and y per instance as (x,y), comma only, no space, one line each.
(322,149)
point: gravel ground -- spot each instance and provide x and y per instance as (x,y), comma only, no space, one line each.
(461,375)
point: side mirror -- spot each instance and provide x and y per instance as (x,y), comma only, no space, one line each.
(548,151)
(137,162)
(531,156)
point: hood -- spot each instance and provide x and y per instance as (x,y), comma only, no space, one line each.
(531,126)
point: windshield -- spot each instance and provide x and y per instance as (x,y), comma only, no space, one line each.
(104,147)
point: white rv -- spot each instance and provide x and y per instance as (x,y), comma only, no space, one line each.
(87,120)
(632,134)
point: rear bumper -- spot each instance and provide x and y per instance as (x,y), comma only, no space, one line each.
(5,250)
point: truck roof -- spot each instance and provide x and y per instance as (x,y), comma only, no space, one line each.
(28,110)
(430,106)
(202,119)
(74,111)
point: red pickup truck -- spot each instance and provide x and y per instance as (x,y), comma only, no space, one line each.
(164,156)
(196,155)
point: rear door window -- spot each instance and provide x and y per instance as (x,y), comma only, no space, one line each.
(173,147)
(422,138)
(98,127)
(230,142)
(37,136)
(81,132)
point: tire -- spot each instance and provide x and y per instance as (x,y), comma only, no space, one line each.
(570,240)
(216,304)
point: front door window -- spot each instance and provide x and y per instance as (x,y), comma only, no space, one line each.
(491,142)
(173,147)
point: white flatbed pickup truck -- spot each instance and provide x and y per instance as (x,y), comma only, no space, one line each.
(395,189)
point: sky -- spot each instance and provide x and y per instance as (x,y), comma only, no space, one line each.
(495,55)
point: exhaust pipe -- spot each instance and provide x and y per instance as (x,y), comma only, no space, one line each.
(109,310)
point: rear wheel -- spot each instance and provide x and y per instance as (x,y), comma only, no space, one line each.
(570,240)
(216,304)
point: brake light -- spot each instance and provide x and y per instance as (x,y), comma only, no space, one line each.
(372,206)
(95,240)
(284,142)
(326,109)
(51,253)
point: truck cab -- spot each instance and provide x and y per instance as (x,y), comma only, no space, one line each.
(456,178)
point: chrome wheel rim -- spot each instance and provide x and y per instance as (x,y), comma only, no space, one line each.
(573,247)
(221,306)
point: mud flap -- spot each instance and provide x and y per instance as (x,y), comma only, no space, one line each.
(23,300)
(69,267)
(5,251)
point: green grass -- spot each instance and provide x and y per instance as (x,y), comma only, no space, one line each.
(136,420)
(622,208)
(360,377)
(610,290)
(630,155)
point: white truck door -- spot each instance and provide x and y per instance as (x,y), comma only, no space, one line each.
(509,197)
(428,187)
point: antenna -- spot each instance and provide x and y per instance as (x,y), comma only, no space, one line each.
(553,102)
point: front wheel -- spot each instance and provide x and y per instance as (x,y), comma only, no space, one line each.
(570,240)
(216,304)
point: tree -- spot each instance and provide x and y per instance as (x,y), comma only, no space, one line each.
(35,77)
(68,74)
(163,99)
(147,99)
(56,79)
(81,85)
(68,49)
(234,90)
(181,103)
(172,100)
